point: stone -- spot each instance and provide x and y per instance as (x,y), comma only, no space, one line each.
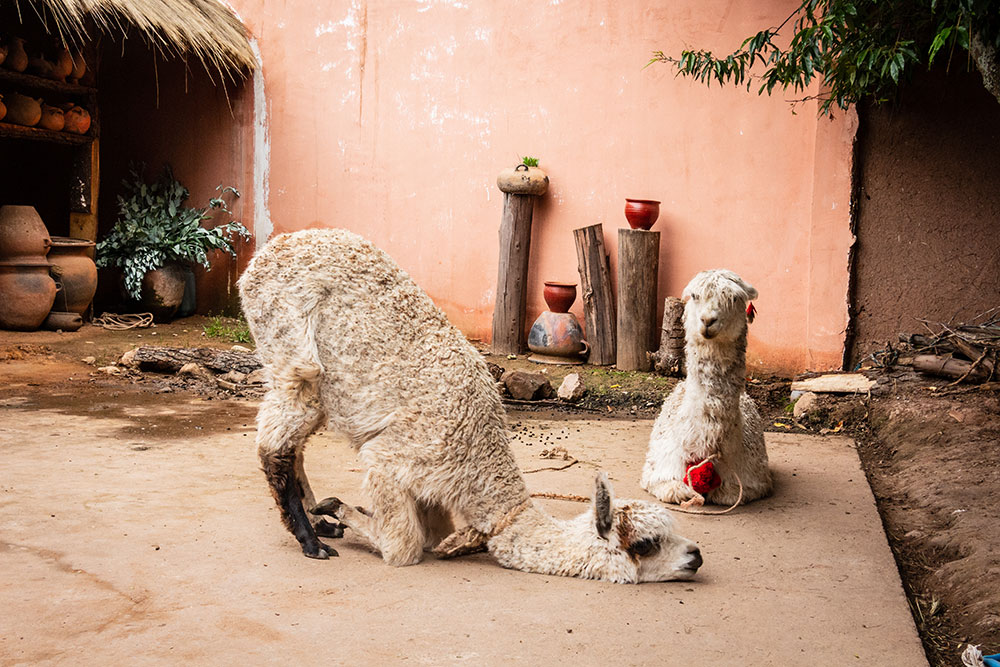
(128,359)
(89,360)
(571,389)
(240,348)
(258,376)
(835,383)
(234,376)
(807,401)
(110,370)
(195,370)
(527,386)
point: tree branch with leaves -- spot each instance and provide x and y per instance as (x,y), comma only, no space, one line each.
(856,49)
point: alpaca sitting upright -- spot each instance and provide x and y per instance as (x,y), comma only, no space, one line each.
(708,441)
(351,342)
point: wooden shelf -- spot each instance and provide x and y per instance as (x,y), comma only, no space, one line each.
(10,131)
(38,83)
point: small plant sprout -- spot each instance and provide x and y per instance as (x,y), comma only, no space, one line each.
(529,161)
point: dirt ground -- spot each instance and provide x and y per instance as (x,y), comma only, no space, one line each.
(931,457)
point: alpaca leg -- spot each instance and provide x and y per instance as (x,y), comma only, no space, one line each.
(394,530)
(322,527)
(670,491)
(437,524)
(283,424)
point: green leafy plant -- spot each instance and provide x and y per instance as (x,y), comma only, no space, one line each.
(155,228)
(858,49)
(231,329)
(529,161)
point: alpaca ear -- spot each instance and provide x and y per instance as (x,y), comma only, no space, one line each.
(603,506)
(747,287)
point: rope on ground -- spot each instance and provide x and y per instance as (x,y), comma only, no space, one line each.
(685,507)
(115,322)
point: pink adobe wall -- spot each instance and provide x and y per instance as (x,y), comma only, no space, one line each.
(393,120)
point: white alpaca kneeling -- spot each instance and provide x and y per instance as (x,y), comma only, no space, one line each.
(353,343)
(709,416)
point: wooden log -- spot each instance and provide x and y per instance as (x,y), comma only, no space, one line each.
(171,359)
(598,299)
(512,275)
(669,359)
(638,265)
(950,368)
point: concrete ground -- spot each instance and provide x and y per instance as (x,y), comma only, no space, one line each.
(136,528)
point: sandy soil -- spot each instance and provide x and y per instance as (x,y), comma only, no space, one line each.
(136,527)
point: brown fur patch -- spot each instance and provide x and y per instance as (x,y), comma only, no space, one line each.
(276,467)
(626,530)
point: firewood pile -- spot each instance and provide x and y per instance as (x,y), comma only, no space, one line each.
(962,353)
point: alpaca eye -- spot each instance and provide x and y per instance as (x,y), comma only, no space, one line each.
(644,548)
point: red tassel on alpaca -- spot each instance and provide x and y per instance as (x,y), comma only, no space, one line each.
(702,477)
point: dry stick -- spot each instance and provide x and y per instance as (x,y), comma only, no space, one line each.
(571,463)
(973,367)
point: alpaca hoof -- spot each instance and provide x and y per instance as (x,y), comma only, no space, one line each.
(324,528)
(328,506)
(671,492)
(319,551)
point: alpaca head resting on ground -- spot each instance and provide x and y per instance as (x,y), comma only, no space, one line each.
(622,541)
(715,306)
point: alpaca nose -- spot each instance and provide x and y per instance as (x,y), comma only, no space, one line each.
(696,560)
(709,320)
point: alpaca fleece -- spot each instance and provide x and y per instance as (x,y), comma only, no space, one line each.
(709,413)
(353,343)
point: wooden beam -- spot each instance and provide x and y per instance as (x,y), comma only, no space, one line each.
(598,299)
(638,267)
(512,274)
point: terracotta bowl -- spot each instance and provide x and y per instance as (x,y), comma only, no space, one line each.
(559,296)
(641,213)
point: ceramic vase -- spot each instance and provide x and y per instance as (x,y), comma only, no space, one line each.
(75,271)
(559,296)
(641,213)
(26,295)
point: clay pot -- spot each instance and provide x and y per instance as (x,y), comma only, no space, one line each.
(523,180)
(641,213)
(26,296)
(557,338)
(559,296)
(75,271)
(17,57)
(23,236)
(23,110)
(63,66)
(76,119)
(163,291)
(52,118)
(41,67)
(60,321)
(3,53)
(79,68)
(3,108)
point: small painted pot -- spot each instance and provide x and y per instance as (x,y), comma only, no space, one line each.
(641,213)
(559,296)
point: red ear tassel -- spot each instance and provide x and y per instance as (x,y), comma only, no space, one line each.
(751,312)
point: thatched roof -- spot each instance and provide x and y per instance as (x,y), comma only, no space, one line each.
(203,28)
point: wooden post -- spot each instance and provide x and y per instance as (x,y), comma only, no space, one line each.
(598,301)
(638,264)
(669,359)
(520,187)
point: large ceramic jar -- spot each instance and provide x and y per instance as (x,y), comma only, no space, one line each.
(163,291)
(23,236)
(27,293)
(557,338)
(75,270)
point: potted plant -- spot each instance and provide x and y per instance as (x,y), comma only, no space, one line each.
(156,237)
